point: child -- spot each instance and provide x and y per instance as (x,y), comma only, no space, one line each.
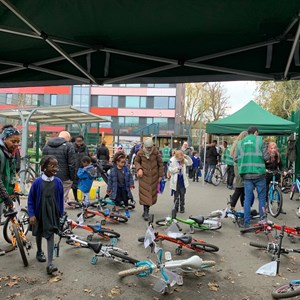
(86,176)
(120,183)
(196,166)
(179,180)
(45,207)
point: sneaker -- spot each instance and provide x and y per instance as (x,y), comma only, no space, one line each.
(50,269)
(40,256)
(182,210)
(244,226)
(127,214)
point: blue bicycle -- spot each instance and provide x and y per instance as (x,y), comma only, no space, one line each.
(295,188)
(274,199)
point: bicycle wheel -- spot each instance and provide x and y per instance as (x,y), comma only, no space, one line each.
(134,271)
(251,229)
(288,290)
(118,218)
(74,204)
(86,215)
(29,177)
(274,202)
(24,223)
(109,234)
(217,177)
(292,193)
(162,222)
(204,247)
(124,257)
(20,244)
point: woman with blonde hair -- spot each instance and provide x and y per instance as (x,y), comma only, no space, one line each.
(239,183)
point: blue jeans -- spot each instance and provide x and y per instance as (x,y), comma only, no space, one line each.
(210,172)
(249,185)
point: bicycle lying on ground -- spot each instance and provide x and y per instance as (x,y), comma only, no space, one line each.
(174,236)
(168,277)
(195,222)
(107,214)
(17,235)
(288,290)
(274,199)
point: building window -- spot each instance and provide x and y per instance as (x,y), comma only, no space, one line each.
(132,102)
(81,97)
(131,121)
(53,99)
(9,99)
(108,101)
(161,102)
(172,102)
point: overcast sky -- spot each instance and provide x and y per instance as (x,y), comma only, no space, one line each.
(239,93)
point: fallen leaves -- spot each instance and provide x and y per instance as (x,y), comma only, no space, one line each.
(115,291)
(213,286)
(54,279)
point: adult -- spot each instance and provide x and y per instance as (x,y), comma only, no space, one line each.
(251,154)
(102,153)
(81,150)
(212,160)
(150,171)
(9,142)
(228,161)
(166,155)
(61,148)
(187,151)
(239,192)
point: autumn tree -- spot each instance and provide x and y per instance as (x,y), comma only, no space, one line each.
(279,98)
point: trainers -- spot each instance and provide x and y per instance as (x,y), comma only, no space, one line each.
(127,214)
(244,226)
(40,256)
(182,210)
(50,269)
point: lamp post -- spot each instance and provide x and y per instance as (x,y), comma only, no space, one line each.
(201,115)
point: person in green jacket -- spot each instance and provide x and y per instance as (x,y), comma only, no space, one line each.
(228,160)
(251,154)
(166,155)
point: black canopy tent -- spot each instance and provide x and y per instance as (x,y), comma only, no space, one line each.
(50,42)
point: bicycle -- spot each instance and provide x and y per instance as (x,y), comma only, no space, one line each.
(98,229)
(106,214)
(194,222)
(17,235)
(22,216)
(220,174)
(295,188)
(28,175)
(183,241)
(288,290)
(168,278)
(274,199)
(287,181)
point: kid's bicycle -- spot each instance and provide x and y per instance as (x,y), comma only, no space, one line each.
(17,235)
(168,278)
(274,199)
(195,222)
(288,290)
(107,214)
(182,240)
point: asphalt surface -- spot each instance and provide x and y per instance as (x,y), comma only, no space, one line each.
(233,277)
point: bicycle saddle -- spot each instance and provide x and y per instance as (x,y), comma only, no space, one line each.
(10,213)
(95,246)
(186,239)
(197,219)
(96,228)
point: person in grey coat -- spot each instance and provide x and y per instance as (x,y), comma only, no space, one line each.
(61,148)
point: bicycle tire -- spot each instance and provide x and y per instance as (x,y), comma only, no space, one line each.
(217,177)
(24,221)
(274,202)
(288,290)
(118,218)
(258,245)
(124,257)
(292,193)
(251,229)
(74,204)
(141,239)
(20,245)
(162,222)
(106,233)
(133,271)
(86,215)
(29,177)
(204,247)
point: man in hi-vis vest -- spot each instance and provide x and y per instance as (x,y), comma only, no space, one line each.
(251,154)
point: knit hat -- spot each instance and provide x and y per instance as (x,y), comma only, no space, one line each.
(148,142)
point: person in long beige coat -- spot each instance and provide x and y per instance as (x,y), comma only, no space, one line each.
(150,170)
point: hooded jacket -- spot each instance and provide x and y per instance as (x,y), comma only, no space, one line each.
(64,152)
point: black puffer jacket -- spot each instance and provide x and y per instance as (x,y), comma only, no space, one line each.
(65,155)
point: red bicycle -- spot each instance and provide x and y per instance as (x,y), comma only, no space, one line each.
(291,232)
(184,241)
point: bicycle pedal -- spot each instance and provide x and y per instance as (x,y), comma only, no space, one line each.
(168,255)
(179,280)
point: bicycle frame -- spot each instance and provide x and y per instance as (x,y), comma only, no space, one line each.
(274,198)
(295,188)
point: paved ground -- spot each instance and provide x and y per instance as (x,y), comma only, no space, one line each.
(233,277)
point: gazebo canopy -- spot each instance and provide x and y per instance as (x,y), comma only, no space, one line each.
(49,42)
(251,115)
